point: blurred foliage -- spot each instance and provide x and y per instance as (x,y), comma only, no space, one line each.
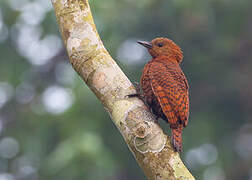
(53,127)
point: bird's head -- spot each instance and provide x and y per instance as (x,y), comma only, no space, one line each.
(163,47)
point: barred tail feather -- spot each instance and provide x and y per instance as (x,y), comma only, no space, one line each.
(177,138)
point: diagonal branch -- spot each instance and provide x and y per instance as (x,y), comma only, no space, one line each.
(146,140)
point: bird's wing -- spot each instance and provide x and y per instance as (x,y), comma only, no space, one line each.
(171,89)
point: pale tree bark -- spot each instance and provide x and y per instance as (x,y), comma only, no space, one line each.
(149,145)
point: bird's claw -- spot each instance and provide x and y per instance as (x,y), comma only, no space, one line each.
(132,95)
(135,95)
(138,91)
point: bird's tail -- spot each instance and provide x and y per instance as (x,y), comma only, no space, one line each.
(177,138)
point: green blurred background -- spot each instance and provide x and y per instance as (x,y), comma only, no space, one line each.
(53,128)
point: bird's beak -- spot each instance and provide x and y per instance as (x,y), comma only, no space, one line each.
(148,45)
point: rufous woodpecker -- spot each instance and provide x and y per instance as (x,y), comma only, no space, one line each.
(165,87)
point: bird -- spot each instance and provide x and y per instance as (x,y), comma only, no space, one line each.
(165,88)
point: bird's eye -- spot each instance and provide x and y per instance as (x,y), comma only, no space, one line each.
(160,45)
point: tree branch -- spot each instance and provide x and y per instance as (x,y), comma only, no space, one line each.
(146,140)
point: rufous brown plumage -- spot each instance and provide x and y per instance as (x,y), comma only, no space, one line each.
(165,87)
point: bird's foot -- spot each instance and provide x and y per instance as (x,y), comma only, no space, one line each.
(140,95)
(138,91)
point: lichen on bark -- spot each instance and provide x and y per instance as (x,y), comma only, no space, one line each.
(149,145)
